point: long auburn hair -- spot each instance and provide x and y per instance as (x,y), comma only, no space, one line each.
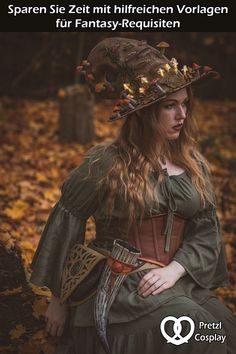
(137,151)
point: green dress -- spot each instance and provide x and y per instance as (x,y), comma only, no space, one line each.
(134,321)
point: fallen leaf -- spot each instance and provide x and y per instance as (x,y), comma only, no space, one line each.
(17,210)
(52,194)
(42,291)
(40,307)
(26,245)
(11,292)
(41,177)
(17,331)
(7,240)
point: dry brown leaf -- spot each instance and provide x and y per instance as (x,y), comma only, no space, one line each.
(17,331)
(41,290)
(40,336)
(37,344)
(49,346)
(11,292)
(7,240)
(41,177)
(35,125)
(54,173)
(5,226)
(230,252)
(52,194)
(16,234)
(25,140)
(17,210)
(61,93)
(29,347)
(26,245)
(40,307)
(8,148)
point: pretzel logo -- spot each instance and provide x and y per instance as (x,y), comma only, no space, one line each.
(177,339)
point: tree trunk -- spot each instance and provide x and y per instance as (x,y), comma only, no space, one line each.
(21,308)
(76,114)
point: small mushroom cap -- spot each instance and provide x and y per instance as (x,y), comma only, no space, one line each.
(207,68)
(196,66)
(162,45)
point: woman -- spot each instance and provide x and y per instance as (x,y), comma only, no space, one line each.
(150,187)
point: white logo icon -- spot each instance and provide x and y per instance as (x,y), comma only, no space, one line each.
(177,339)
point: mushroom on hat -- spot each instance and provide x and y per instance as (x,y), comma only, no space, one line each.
(175,65)
(196,67)
(206,69)
(79,68)
(162,46)
(127,87)
(184,70)
(167,67)
(142,90)
(116,109)
(144,80)
(86,63)
(160,72)
(90,77)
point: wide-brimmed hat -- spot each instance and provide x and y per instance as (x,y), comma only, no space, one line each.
(136,74)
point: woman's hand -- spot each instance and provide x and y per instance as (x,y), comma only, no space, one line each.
(157,280)
(55,316)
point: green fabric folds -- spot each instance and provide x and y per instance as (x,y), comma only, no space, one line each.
(62,230)
(201,254)
(66,225)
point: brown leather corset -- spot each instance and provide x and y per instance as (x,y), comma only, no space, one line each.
(150,237)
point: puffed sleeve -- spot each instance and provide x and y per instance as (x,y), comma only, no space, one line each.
(66,224)
(202,252)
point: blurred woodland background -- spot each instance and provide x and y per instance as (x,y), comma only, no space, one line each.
(38,87)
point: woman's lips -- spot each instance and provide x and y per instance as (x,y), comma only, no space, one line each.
(177,127)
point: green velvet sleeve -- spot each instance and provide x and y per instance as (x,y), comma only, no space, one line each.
(202,252)
(66,224)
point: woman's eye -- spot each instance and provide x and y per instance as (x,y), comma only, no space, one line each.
(185,104)
(169,106)
(173,105)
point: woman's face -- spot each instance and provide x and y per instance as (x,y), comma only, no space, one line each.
(172,113)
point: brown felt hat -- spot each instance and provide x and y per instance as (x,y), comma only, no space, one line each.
(136,74)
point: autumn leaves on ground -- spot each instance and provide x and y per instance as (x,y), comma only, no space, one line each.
(33,165)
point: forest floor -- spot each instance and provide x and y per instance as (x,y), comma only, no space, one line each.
(34,164)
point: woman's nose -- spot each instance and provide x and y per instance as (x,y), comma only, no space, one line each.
(181,112)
